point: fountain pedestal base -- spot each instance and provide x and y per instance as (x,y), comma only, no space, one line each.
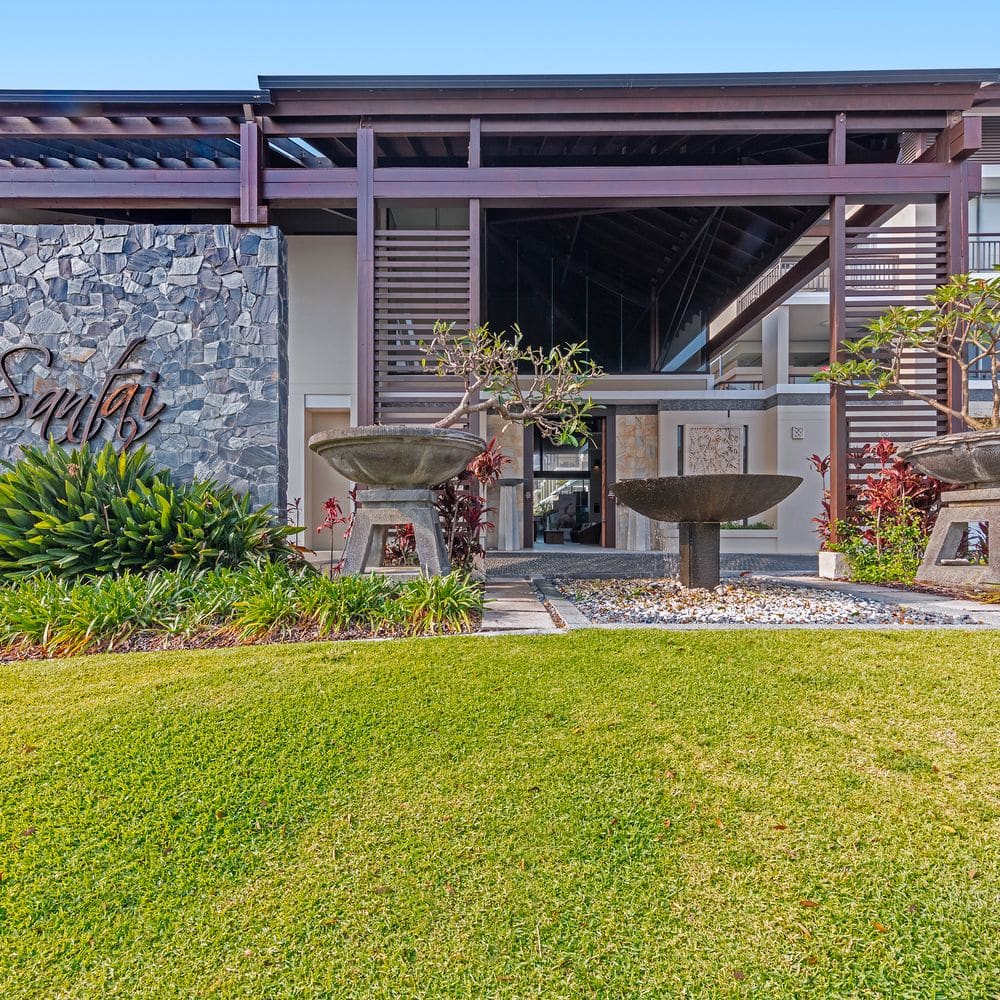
(699,553)
(382,509)
(942,563)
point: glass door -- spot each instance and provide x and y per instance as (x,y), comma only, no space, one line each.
(568,490)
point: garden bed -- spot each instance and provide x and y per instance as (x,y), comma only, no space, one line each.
(262,603)
(741,601)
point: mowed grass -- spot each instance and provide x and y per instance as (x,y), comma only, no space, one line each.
(626,814)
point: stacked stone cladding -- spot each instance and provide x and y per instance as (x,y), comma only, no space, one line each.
(211,302)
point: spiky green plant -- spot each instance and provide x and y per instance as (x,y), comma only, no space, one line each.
(433,604)
(341,603)
(83,512)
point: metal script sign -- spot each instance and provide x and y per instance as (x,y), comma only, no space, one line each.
(125,401)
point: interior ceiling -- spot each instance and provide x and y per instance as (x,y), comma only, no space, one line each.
(701,256)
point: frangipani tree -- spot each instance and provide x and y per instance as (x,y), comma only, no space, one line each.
(521,384)
(961,325)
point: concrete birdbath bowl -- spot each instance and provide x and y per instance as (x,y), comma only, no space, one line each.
(400,463)
(397,456)
(699,504)
(971,459)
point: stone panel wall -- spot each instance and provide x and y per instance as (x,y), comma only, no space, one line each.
(211,305)
(636,448)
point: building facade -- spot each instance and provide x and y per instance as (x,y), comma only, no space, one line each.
(221,275)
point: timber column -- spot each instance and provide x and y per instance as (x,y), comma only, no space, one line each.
(366,277)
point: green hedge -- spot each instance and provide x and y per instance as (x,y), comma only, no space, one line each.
(85,512)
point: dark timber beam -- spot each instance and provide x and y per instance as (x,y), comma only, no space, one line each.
(333,186)
(118,127)
(689,125)
(252,211)
(919,98)
(895,182)
(159,188)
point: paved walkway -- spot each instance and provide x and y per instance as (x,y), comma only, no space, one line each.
(514,606)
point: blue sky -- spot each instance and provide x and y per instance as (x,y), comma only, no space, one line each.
(58,44)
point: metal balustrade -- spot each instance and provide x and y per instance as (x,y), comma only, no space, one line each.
(984,251)
(984,255)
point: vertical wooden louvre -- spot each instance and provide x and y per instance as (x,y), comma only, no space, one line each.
(421,276)
(892,266)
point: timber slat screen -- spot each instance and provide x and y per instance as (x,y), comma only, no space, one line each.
(421,276)
(893,266)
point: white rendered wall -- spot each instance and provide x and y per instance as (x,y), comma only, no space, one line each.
(322,338)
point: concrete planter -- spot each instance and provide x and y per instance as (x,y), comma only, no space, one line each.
(398,456)
(400,464)
(971,459)
(834,566)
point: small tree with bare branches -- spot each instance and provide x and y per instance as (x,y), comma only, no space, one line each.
(961,325)
(522,384)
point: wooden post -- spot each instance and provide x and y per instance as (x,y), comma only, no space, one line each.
(528,462)
(953,216)
(475,142)
(608,475)
(839,465)
(251,211)
(838,140)
(366,275)
(475,294)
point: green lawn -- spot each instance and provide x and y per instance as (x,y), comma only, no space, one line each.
(610,814)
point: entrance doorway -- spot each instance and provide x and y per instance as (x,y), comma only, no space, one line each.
(569,489)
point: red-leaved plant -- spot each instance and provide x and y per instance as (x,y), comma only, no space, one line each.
(893,491)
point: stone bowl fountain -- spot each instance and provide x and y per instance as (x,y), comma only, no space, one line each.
(699,504)
(397,456)
(399,463)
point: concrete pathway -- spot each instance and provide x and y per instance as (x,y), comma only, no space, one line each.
(514,606)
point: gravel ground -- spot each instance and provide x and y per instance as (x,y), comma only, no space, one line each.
(745,600)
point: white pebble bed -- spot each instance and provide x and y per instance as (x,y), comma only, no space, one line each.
(740,601)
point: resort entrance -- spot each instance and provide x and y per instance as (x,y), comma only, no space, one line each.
(568,489)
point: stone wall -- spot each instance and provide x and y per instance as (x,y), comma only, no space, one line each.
(636,457)
(208,306)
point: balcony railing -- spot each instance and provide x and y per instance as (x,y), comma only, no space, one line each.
(818,283)
(984,251)
(984,255)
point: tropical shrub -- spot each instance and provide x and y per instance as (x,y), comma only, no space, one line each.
(888,520)
(346,603)
(890,555)
(85,512)
(432,604)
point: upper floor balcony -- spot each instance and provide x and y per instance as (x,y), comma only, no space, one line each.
(984,251)
(984,255)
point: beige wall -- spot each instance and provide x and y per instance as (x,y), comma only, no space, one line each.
(511,442)
(322,334)
(771,449)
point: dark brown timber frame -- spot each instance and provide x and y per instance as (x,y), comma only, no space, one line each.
(235,135)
